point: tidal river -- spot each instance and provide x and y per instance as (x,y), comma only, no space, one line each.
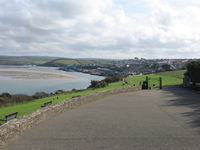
(29,80)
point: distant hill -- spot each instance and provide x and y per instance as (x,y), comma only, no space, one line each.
(67,61)
(45,61)
(24,60)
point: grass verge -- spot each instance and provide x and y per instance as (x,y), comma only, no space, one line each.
(28,107)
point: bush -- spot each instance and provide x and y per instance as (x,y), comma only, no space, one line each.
(74,90)
(113,79)
(6,95)
(193,71)
(98,84)
(104,83)
(14,99)
(19,98)
(39,95)
(60,91)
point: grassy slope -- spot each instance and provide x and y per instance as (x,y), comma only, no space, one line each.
(39,61)
(177,74)
(77,61)
(85,61)
(31,106)
(168,78)
(22,61)
(101,61)
(66,61)
(154,80)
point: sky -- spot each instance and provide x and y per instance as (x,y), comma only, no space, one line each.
(113,29)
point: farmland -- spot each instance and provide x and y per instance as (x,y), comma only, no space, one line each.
(44,60)
(64,62)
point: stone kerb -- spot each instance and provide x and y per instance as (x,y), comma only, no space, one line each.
(15,127)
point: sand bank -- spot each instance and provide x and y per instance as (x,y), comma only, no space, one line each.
(33,75)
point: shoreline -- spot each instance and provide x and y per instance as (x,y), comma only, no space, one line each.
(9,74)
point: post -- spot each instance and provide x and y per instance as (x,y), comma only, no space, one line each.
(147,79)
(160,80)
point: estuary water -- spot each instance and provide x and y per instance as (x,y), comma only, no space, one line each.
(50,85)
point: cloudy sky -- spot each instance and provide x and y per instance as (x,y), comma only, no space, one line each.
(118,29)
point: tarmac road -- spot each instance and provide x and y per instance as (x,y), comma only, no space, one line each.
(167,119)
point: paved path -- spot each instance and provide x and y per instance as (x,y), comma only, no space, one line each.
(167,119)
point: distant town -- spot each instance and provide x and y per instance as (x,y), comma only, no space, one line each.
(129,67)
(100,67)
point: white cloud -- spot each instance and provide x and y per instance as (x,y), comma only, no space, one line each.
(100,28)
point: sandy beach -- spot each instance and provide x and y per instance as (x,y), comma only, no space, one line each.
(32,75)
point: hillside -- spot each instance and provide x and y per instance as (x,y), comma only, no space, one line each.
(66,61)
(168,78)
(176,74)
(45,61)
(24,60)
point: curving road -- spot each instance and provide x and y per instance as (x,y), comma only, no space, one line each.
(167,119)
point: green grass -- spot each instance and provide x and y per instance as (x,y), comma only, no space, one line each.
(66,61)
(101,61)
(85,61)
(31,106)
(22,61)
(78,61)
(168,78)
(30,61)
(177,74)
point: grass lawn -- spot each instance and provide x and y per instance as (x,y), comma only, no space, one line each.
(168,78)
(177,74)
(153,80)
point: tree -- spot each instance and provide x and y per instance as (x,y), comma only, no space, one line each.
(98,84)
(166,67)
(155,66)
(193,71)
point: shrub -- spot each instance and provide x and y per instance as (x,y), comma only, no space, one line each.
(6,95)
(14,99)
(39,95)
(104,83)
(113,79)
(21,98)
(74,90)
(98,84)
(193,71)
(60,91)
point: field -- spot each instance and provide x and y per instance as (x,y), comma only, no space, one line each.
(22,62)
(77,61)
(42,60)
(168,78)
(66,62)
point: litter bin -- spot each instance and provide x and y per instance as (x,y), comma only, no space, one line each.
(145,85)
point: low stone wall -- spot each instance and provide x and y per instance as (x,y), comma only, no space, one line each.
(13,128)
